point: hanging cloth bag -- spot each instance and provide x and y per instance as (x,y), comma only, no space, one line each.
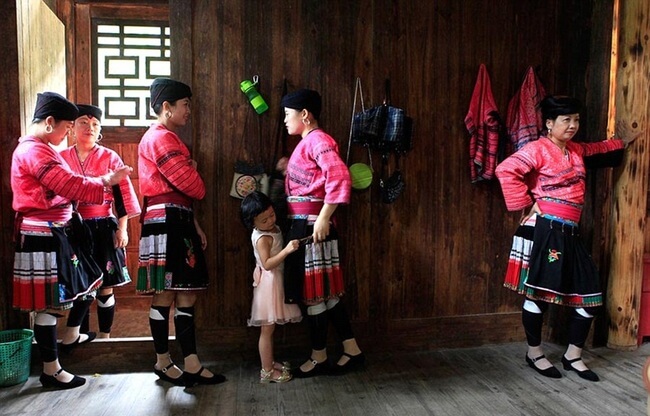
(392,187)
(384,127)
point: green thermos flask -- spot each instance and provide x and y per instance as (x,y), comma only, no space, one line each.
(256,100)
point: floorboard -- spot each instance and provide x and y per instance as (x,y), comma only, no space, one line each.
(484,381)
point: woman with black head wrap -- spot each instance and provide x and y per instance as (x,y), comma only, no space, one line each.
(51,266)
(172,264)
(548,262)
(317,181)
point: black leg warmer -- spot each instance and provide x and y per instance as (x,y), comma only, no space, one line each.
(160,328)
(85,323)
(105,315)
(79,311)
(318,330)
(338,315)
(533,324)
(185,330)
(46,340)
(579,328)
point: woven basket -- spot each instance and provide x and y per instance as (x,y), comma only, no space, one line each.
(15,356)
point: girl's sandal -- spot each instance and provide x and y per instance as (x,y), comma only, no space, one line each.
(267,376)
(283,366)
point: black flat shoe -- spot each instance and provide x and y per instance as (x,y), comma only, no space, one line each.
(67,348)
(51,381)
(192,379)
(319,369)
(551,372)
(354,363)
(586,374)
(162,374)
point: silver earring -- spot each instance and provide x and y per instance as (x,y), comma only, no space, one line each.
(48,128)
(99,137)
(168,114)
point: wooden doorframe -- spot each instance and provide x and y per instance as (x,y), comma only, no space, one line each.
(78,16)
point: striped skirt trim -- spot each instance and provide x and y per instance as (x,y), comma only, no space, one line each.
(323,275)
(41,265)
(152,277)
(171,257)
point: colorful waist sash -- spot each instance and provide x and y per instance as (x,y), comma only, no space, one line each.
(560,210)
(302,207)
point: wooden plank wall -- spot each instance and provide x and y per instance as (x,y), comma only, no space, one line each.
(426,271)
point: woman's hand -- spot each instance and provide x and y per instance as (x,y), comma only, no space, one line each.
(114,178)
(121,239)
(533,210)
(321,229)
(626,132)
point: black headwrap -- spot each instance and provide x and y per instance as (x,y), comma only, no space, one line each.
(166,89)
(303,99)
(89,110)
(55,105)
(553,106)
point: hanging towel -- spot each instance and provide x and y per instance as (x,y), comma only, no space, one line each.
(482,122)
(524,119)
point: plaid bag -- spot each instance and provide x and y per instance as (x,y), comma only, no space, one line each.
(397,132)
(383,127)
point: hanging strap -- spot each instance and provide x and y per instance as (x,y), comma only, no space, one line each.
(387,92)
(281,133)
(246,157)
(358,92)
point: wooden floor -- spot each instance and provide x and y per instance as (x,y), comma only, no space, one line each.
(489,380)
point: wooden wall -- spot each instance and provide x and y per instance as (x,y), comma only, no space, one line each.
(426,271)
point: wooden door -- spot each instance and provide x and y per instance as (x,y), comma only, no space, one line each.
(132,310)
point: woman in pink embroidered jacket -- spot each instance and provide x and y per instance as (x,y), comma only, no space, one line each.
(172,265)
(110,237)
(317,181)
(52,267)
(548,261)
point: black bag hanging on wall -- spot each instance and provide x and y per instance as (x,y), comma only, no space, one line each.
(393,186)
(384,127)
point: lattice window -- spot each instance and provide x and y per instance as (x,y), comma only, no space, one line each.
(127,56)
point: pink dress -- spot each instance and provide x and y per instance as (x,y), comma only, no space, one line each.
(268,293)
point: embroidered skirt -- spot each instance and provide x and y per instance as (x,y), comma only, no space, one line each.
(111,260)
(313,272)
(549,262)
(50,271)
(171,257)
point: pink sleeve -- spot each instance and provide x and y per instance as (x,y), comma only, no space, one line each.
(338,185)
(175,165)
(49,168)
(511,174)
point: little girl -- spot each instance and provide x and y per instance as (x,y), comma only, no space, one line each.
(268,308)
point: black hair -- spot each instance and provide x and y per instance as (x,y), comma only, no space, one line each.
(157,109)
(558,105)
(253,205)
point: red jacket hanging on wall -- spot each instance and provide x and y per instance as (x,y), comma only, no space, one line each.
(524,119)
(482,122)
